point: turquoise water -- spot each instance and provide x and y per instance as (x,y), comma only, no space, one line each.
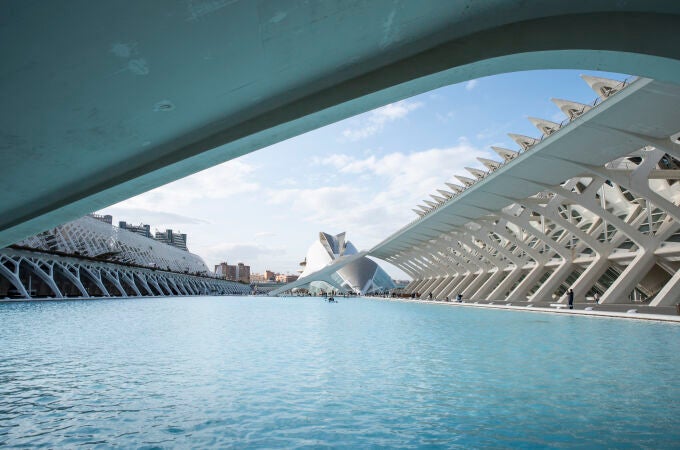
(260,372)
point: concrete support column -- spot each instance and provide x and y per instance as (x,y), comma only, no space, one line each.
(47,278)
(13,277)
(96,278)
(74,278)
(131,282)
(499,292)
(630,277)
(442,288)
(489,285)
(519,294)
(419,285)
(116,282)
(471,289)
(670,294)
(437,286)
(544,293)
(410,286)
(426,287)
(459,287)
(589,277)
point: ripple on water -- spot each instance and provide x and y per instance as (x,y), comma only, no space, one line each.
(253,372)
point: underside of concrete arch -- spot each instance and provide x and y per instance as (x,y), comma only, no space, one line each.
(136,95)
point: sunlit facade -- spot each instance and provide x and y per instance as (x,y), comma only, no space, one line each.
(362,275)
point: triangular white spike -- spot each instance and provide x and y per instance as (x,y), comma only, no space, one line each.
(465,180)
(438,198)
(476,172)
(424,208)
(604,87)
(455,187)
(446,194)
(571,109)
(490,163)
(432,204)
(546,127)
(420,213)
(505,153)
(523,141)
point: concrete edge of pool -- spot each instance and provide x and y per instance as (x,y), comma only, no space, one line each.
(536,309)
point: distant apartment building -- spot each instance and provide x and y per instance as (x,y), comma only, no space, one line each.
(257,278)
(107,218)
(285,278)
(141,229)
(268,275)
(239,272)
(178,240)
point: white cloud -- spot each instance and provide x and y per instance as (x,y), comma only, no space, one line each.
(470,85)
(219,182)
(234,252)
(384,190)
(374,121)
(137,215)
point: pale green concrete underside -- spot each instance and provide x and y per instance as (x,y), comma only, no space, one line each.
(100,101)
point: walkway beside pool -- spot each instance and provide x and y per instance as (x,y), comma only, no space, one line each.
(580,309)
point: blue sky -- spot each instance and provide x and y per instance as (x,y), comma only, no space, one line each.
(361,175)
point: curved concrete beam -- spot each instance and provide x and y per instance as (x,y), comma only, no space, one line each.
(114,100)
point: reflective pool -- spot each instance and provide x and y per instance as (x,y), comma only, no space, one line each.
(298,372)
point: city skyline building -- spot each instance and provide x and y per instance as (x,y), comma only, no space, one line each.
(169,237)
(106,218)
(142,229)
(237,272)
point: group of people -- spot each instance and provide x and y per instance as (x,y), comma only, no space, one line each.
(459,297)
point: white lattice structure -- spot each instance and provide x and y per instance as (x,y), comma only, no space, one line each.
(591,205)
(88,258)
(92,238)
(27,274)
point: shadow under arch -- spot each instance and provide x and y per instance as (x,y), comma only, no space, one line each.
(634,42)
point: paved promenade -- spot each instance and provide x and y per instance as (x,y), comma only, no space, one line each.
(594,310)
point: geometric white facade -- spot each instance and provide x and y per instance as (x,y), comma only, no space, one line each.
(590,205)
(361,276)
(92,238)
(88,258)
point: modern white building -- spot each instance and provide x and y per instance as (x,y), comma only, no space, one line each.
(591,204)
(360,274)
(91,258)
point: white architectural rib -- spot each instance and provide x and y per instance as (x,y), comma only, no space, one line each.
(546,127)
(455,187)
(465,180)
(571,109)
(490,163)
(603,87)
(476,172)
(505,153)
(523,141)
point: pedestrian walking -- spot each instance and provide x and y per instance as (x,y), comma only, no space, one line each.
(571,299)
